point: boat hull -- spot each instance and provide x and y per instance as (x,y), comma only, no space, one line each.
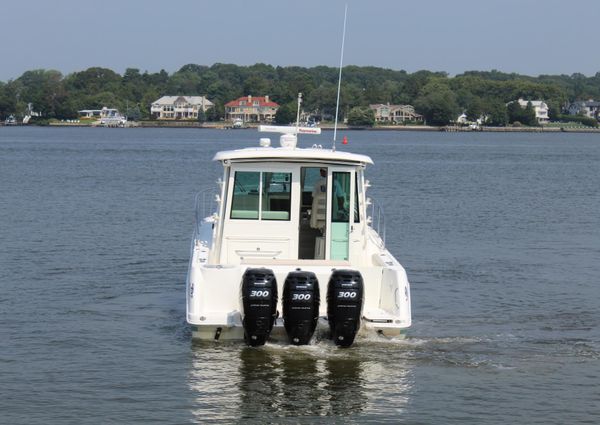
(214,308)
(235,333)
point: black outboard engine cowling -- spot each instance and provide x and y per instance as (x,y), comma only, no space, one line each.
(301,301)
(344,305)
(259,305)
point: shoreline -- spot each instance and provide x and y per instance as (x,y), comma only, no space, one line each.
(330,127)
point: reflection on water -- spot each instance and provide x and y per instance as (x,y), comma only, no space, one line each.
(213,381)
(299,383)
(304,383)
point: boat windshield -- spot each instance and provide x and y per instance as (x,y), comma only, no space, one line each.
(261,196)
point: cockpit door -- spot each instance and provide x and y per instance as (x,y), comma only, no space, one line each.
(327,213)
(340,207)
(313,213)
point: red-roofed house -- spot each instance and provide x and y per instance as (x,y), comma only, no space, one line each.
(251,109)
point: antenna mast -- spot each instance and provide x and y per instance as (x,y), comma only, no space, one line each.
(337,103)
(298,112)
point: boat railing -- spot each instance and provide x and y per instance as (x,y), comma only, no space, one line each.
(376,220)
(205,206)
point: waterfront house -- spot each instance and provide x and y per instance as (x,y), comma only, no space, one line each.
(539,106)
(179,107)
(99,113)
(588,108)
(89,113)
(395,113)
(251,109)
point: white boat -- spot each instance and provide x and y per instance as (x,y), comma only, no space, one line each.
(112,118)
(293,248)
(237,123)
(114,121)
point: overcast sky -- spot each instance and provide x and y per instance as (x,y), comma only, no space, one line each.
(524,36)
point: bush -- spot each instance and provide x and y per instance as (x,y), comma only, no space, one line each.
(587,121)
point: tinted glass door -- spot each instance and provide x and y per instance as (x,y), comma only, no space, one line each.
(340,215)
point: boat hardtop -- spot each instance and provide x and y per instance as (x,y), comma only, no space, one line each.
(313,154)
(293,247)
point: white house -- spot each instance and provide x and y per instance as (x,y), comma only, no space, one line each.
(589,108)
(540,108)
(395,113)
(179,107)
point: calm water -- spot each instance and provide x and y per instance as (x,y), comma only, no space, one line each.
(500,235)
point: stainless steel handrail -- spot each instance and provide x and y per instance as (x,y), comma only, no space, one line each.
(378,220)
(204,200)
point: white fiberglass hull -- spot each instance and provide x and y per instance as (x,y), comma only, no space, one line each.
(214,302)
(278,334)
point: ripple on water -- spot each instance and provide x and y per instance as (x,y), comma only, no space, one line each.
(498,233)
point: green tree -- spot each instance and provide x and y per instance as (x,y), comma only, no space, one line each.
(201,116)
(255,84)
(134,113)
(474,108)
(516,113)
(151,94)
(439,97)
(104,99)
(361,117)
(322,100)
(94,80)
(286,113)
(215,113)
(133,85)
(8,100)
(184,83)
(529,115)
(553,111)
(437,103)
(415,83)
(496,113)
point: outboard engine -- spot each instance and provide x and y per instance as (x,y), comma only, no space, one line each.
(301,301)
(344,305)
(259,305)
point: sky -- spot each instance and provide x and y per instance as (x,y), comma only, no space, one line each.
(529,37)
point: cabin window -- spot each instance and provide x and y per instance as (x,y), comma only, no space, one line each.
(246,186)
(258,195)
(276,196)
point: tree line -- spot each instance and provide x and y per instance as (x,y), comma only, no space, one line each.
(440,98)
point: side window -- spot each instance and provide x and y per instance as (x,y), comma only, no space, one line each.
(244,204)
(276,196)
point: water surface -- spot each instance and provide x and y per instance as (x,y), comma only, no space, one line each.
(499,233)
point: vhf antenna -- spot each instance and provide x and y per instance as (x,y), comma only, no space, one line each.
(337,103)
(298,111)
